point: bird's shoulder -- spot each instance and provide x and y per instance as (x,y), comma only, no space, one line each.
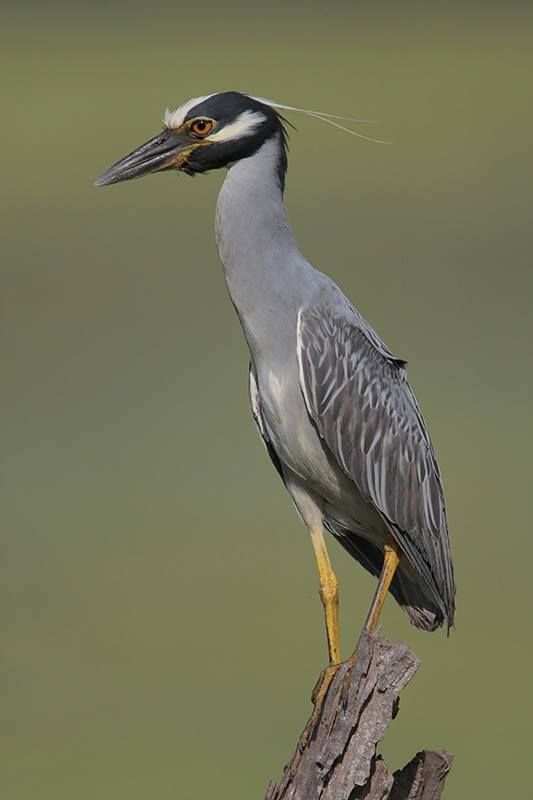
(357,393)
(329,314)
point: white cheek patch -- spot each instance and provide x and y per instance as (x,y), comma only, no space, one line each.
(174,119)
(245,125)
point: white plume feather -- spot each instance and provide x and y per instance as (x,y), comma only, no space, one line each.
(325,117)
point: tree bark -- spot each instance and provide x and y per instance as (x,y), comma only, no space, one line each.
(336,758)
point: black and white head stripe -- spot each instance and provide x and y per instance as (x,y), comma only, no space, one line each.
(175,119)
(248,120)
(240,126)
(234,126)
(244,124)
(235,115)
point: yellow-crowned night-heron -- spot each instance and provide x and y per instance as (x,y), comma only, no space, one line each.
(331,402)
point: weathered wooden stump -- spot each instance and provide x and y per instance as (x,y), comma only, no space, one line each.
(336,758)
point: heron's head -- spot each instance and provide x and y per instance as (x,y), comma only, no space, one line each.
(204,133)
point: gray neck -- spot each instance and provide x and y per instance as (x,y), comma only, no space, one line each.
(262,264)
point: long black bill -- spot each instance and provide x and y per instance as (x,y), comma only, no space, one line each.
(155,155)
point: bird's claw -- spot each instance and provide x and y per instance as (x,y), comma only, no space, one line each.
(322,685)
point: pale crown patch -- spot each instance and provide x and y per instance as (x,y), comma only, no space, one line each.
(175,119)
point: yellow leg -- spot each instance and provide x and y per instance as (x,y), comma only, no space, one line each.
(329,593)
(390,563)
(330,599)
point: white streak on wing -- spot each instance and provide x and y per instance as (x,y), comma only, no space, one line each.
(256,405)
(276,388)
(299,352)
(335,393)
(383,488)
(173,119)
(373,443)
(245,125)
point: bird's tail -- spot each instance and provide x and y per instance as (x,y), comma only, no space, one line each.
(418,604)
(408,588)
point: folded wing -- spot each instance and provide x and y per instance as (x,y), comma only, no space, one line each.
(357,393)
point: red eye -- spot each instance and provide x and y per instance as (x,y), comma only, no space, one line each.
(201,126)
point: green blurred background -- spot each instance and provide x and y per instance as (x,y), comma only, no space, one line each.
(160,624)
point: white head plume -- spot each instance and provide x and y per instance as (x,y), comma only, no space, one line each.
(325,117)
(173,119)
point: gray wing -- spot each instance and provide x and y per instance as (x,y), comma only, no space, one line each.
(357,393)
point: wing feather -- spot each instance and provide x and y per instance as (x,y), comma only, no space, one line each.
(357,393)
